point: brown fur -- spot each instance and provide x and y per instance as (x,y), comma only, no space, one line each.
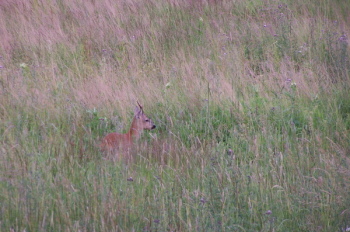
(115,142)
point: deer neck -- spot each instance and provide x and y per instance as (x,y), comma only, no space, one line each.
(135,130)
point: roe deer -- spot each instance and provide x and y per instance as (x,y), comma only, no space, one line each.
(115,141)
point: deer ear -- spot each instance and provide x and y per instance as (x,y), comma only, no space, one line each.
(137,111)
(140,106)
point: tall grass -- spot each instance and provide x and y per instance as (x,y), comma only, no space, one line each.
(251,101)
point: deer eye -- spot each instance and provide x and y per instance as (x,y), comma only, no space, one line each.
(146,120)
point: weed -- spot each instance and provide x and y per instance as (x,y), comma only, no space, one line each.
(250,98)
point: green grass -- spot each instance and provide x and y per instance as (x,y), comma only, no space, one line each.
(251,102)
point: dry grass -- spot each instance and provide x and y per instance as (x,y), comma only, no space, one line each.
(250,99)
(107,53)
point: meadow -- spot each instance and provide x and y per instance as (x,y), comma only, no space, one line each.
(251,100)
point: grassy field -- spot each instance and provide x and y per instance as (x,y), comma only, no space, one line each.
(251,100)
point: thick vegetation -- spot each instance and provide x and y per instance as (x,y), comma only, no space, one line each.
(251,101)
